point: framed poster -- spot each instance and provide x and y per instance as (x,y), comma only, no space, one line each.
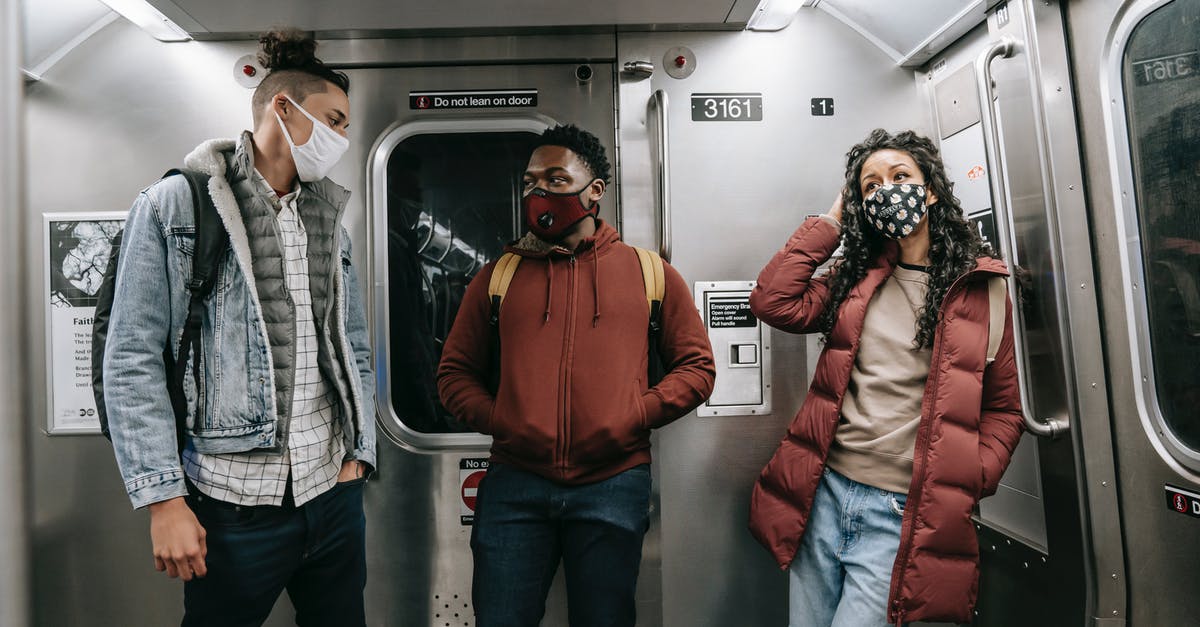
(78,246)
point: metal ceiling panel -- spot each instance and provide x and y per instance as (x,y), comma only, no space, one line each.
(910,32)
(211,18)
(49,25)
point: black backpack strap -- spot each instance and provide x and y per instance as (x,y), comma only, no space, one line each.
(502,276)
(211,242)
(654,280)
(104,301)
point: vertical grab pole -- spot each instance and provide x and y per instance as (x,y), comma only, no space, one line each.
(1005,48)
(15,575)
(662,169)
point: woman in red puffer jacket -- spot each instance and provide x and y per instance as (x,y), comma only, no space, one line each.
(908,422)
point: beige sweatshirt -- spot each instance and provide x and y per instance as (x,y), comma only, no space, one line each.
(882,408)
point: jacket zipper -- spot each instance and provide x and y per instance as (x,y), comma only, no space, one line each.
(924,433)
(920,453)
(564,422)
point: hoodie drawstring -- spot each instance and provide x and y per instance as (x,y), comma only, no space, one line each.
(596,287)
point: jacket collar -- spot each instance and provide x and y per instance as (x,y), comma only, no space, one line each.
(599,244)
(531,245)
(990,265)
(983,265)
(210,158)
(228,161)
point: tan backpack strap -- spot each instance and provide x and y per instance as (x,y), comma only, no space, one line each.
(997,288)
(655,283)
(652,275)
(502,276)
(660,278)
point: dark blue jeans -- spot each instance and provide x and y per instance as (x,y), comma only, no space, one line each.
(316,552)
(525,525)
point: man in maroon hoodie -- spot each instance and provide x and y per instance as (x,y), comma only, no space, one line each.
(572,411)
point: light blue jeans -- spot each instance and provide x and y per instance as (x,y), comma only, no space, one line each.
(842,573)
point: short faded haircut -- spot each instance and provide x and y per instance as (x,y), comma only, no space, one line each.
(299,84)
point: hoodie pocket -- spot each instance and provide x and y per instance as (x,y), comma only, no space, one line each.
(641,410)
(524,425)
(604,432)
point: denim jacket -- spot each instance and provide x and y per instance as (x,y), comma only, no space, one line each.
(244,363)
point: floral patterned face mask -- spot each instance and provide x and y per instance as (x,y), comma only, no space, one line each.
(896,210)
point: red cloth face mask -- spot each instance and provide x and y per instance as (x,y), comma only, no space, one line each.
(550,214)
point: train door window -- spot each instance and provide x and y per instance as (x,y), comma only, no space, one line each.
(1162,96)
(447,201)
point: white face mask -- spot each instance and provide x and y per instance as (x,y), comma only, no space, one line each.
(317,156)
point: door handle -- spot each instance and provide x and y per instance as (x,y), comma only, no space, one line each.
(1005,48)
(662,169)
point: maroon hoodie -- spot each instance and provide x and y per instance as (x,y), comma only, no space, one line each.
(573,403)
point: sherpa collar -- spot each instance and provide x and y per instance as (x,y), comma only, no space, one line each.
(211,158)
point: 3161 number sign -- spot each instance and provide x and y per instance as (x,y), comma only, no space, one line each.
(745,107)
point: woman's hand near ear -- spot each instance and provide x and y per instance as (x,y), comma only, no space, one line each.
(835,211)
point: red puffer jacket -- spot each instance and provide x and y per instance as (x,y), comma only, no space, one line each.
(970,424)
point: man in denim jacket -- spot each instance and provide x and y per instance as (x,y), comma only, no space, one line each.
(280,435)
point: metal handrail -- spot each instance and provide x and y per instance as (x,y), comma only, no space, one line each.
(1004,48)
(663,171)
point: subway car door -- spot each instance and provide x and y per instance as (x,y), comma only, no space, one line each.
(1142,136)
(1004,109)
(448,146)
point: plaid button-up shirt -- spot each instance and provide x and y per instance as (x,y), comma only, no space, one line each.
(315,450)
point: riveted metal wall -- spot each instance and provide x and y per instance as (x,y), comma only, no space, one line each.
(738,189)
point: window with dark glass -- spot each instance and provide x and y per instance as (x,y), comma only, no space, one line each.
(1162,93)
(453,202)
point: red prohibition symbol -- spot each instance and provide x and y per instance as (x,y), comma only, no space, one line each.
(470,488)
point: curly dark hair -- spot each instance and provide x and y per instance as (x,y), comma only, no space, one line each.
(582,143)
(954,245)
(289,55)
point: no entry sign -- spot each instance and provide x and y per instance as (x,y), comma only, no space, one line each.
(471,471)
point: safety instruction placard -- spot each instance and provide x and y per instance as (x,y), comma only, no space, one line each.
(730,311)
(471,471)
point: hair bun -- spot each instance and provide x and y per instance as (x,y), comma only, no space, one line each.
(286,49)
